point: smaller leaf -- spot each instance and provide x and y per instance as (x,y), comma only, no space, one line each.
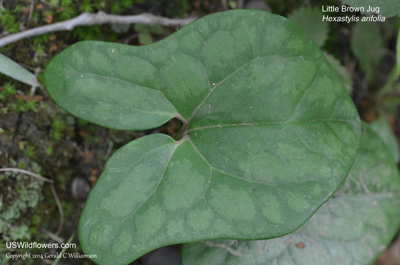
(156,29)
(120,28)
(398,50)
(382,127)
(310,20)
(14,70)
(341,70)
(367,47)
(395,73)
(141,27)
(145,38)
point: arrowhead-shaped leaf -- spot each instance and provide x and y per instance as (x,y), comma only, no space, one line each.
(353,227)
(270,133)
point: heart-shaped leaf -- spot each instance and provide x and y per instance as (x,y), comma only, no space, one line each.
(270,133)
(353,227)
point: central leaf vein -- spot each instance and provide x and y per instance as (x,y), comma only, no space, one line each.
(229,76)
(268,123)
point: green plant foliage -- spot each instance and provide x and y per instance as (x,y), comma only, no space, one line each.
(353,227)
(395,73)
(341,70)
(57,128)
(8,21)
(382,127)
(8,90)
(18,203)
(121,6)
(269,133)
(120,28)
(310,20)
(388,8)
(12,69)
(55,262)
(170,8)
(145,31)
(88,33)
(19,232)
(367,47)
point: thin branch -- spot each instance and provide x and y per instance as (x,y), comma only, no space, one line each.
(54,237)
(30,11)
(88,19)
(26,172)
(60,209)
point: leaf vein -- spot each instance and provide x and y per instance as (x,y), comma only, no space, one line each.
(229,76)
(268,123)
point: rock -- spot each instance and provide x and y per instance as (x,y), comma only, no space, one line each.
(80,188)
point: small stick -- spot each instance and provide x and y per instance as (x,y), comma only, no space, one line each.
(87,19)
(26,172)
(60,209)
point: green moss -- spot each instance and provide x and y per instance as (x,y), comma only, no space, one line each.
(57,128)
(8,21)
(19,232)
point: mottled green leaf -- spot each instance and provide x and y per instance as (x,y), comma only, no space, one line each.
(270,133)
(353,227)
(367,46)
(382,127)
(342,71)
(387,8)
(310,20)
(12,69)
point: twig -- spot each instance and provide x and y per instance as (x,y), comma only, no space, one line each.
(60,210)
(30,11)
(54,237)
(33,88)
(87,19)
(109,149)
(26,172)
